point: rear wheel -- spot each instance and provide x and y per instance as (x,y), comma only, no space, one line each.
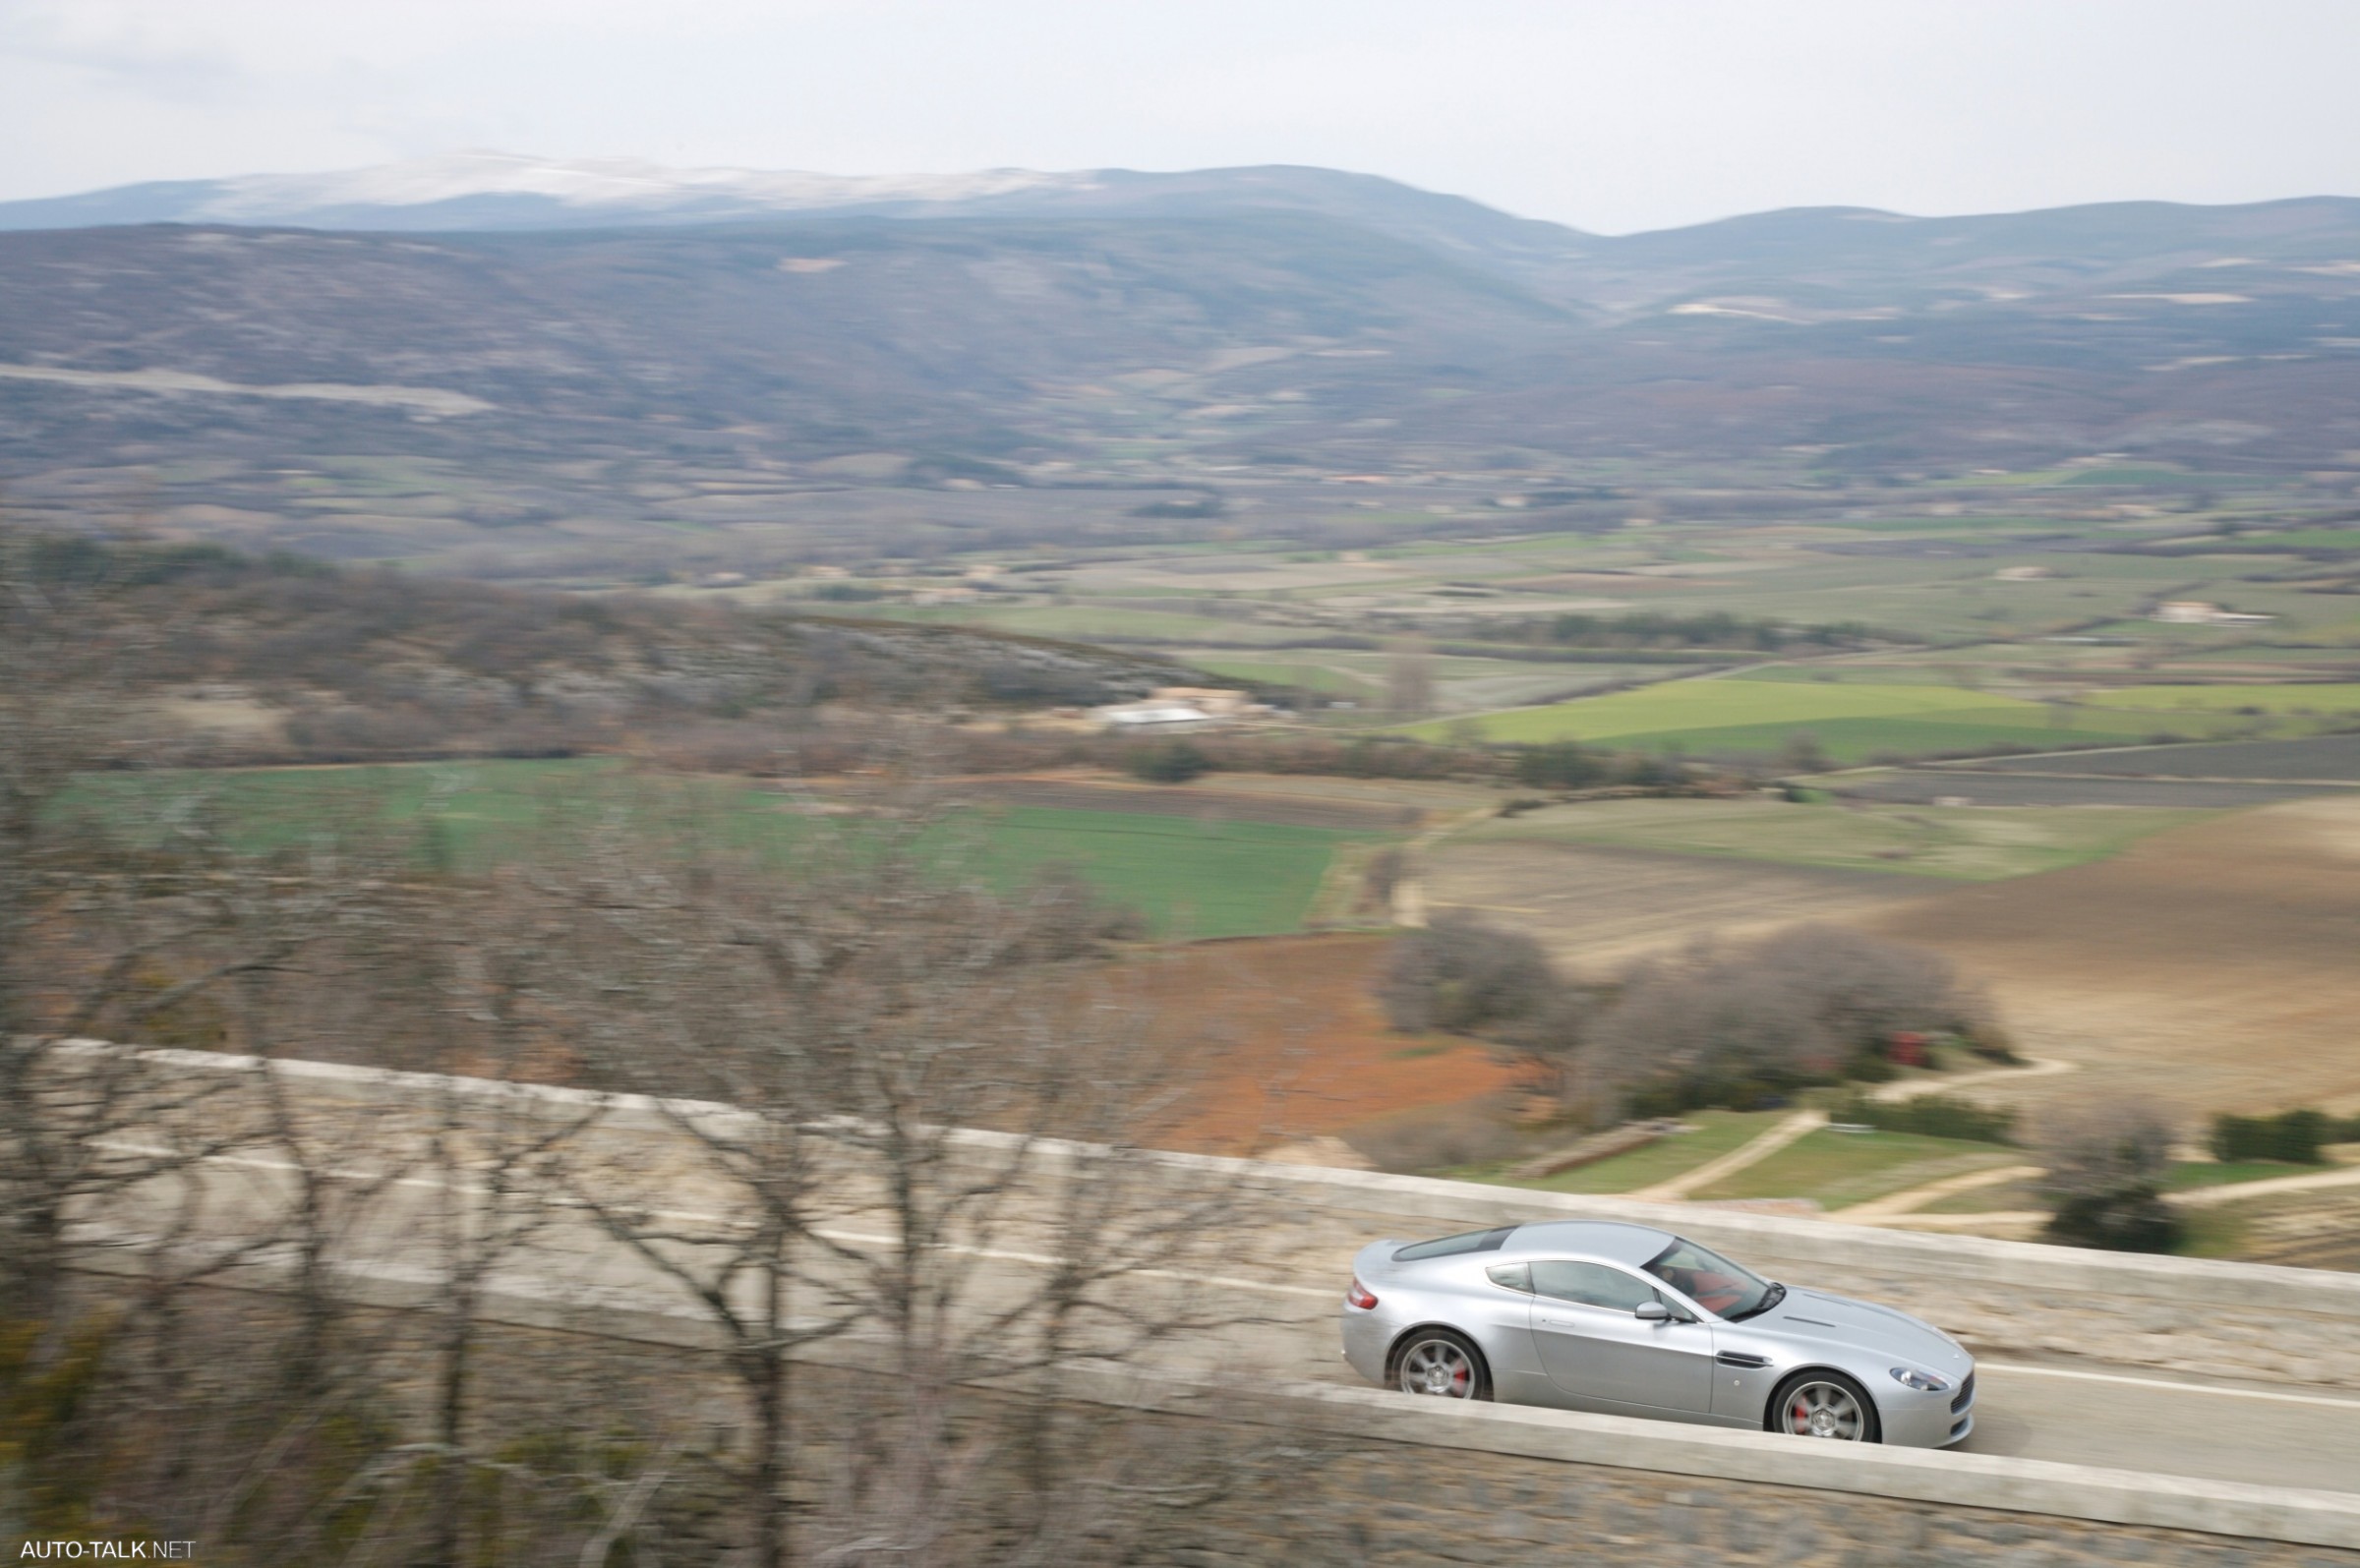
(1826,1404)
(1441,1364)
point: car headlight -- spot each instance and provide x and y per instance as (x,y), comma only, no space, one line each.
(1923,1382)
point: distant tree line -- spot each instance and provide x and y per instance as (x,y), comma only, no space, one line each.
(1648,628)
(372,663)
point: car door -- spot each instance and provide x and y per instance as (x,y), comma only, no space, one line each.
(1598,1353)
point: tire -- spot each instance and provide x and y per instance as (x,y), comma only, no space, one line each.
(1437,1363)
(1824,1404)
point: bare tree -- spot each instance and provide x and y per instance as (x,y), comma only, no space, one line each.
(130,917)
(2105,1166)
(496,1162)
(1409,677)
(918,1131)
(1723,1021)
(1462,973)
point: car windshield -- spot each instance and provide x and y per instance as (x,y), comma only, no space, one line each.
(1710,1280)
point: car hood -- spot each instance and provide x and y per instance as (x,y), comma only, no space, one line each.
(1815,1316)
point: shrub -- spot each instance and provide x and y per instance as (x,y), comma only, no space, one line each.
(1565,765)
(1063,916)
(1167,761)
(2295,1136)
(1461,974)
(2104,1178)
(1380,876)
(1722,1025)
(1930,1115)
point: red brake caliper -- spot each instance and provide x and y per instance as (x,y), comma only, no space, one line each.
(1803,1417)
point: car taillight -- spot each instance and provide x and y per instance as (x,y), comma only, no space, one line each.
(1360,1296)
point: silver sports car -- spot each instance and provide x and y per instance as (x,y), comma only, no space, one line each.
(1588,1315)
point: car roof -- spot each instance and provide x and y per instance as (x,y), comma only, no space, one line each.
(1611,1240)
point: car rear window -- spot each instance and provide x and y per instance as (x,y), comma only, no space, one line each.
(1449,1245)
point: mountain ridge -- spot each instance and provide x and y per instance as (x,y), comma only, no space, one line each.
(496,193)
(1134,330)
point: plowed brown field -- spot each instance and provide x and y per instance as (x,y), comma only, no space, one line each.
(1595,908)
(1293,1042)
(2216,965)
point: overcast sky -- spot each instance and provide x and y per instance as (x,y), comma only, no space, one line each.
(1612,115)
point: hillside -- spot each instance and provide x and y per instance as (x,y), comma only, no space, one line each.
(201,655)
(608,387)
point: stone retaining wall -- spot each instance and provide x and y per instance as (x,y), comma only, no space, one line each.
(2239,1320)
(2236,1320)
(1380,1479)
(1397,1504)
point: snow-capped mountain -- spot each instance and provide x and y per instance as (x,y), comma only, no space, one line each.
(627,183)
(506,190)
(465,192)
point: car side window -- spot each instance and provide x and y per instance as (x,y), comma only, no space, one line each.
(1513,1276)
(1592,1285)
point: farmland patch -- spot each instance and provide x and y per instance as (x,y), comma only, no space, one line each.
(2210,966)
(2325,758)
(1982,787)
(1595,906)
(1196,875)
(1840,1169)
(1977,846)
(1291,1043)
(1849,720)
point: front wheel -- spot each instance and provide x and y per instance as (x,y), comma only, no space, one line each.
(1826,1404)
(1442,1365)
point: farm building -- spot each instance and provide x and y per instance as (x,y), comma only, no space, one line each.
(2197,613)
(1178,707)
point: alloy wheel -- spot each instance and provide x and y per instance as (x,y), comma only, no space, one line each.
(1824,1410)
(1440,1368)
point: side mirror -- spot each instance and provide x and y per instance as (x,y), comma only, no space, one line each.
(1652,1313)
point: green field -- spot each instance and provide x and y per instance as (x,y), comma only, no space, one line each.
(2315,539)
(1320,677)
(2183,1177)
(1971,844)
(1851,722)
(1188,878)
(2317,697)
(2190,1173)
(1717,1133)
(1840,1169)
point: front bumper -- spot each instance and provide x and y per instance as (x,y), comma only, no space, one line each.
(1912,1420)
